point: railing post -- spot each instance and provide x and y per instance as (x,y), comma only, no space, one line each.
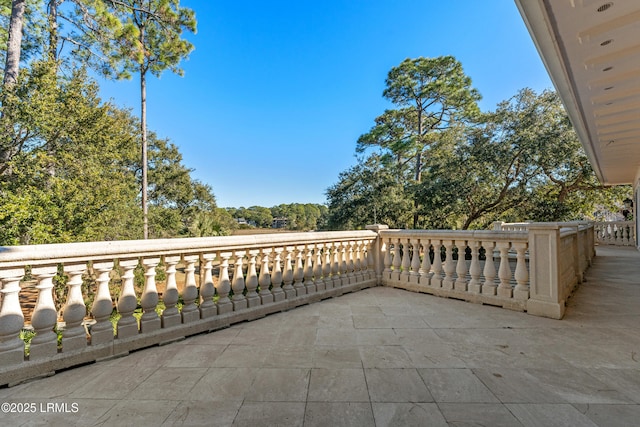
(545,296)
(378,264)
(11,318)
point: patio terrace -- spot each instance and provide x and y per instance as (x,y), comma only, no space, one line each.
(380,356)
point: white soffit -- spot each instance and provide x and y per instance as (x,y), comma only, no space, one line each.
(591,49)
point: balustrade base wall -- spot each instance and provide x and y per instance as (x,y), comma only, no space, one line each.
(17,373)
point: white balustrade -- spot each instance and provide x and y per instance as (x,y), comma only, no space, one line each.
(171,315)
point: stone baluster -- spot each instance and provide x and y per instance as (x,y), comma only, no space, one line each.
(170,315)
(397,261)
(45,343)
(504,272)
(521,292)
(344,268)
(387,273)
(359,261)
(150,321)
(424,271)
(127,302)
(238,300)
(74,336)
(436,267)
(317,268)
(102,330)
(309,283)
(414,275)
(253,299)
(489,286)
(11,318)
(449,265)
(207,289)
(461,266)
(266,297)
(298,272)
(326,267)
(406,260)
(475,286)
(371,263)
(190,312)
(351,262)
(276,277)
(223,287)
(335,265)
(287,277)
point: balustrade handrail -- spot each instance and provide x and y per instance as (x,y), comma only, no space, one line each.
(86,251)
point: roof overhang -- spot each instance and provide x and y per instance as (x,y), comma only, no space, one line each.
(591,49)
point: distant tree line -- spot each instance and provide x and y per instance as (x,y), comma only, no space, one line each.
(299,216)
(435,160)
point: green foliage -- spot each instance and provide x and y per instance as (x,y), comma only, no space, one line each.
(520,162)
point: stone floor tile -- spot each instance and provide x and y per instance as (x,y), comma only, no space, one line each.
(290,357)
(396,385)
(335,336)
(240,356)
(577,386)
(195,356)
(456,385)
(138,412)
(516,386)
(203,413)
(549,415)
(377,321)
(262,337)
(408,414)
(279,385)
(339,357)
(152,356)
(304,335)
(611,415)
(344,414)
(626,381)
(252,414)
(222,336)
(385,356)
(166,383)
(478,414)
(62,384)
(366,310)
(223,384)
(406,322)
(111,382)
(337,385)
(376,337)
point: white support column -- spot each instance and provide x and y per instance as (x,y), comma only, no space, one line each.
(406,261)
(253,299)
(287,275)
(298,273)
(238,300)
(190,311)
(461,266)
(11,318)
(545,297)
(170,315)
(425,267)
(266,297)
(474,270)
(317,268)
(521,292)
(149,321)
(449,265)
(74,336)
(127,302)
(207,289)
(309,283)
(276,276)
(489,286)
(223,287)
(504,272)
(436,267)
(45,343)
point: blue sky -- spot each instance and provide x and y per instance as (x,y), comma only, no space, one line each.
(276,93)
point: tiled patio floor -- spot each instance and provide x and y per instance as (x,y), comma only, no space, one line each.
(379,357)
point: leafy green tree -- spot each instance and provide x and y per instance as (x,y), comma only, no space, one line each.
(151,42)
(431,95)
(368,193)
(92,194)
